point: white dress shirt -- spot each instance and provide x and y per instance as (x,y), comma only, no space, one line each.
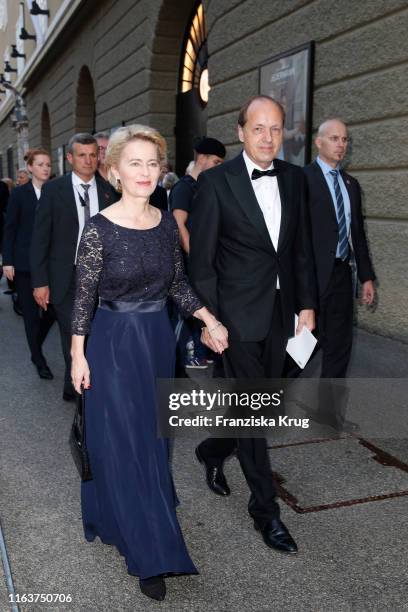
(267,194)
(37,191)
(93,202)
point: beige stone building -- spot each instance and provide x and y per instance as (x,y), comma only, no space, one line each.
(98,64)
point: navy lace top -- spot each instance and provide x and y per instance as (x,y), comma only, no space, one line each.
(120,263)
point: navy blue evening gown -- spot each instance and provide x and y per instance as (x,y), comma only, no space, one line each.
(131,500)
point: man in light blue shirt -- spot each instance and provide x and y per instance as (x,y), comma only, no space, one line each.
(334,199)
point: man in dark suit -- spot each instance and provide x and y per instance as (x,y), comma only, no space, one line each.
(334,199)
(251,264)
(65,205)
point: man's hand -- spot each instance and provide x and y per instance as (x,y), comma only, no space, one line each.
(368,293)
(42,296)
(9,272)
(306,319)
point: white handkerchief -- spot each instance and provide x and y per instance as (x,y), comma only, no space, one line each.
(301,347)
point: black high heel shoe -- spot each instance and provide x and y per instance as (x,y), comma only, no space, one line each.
(153,587)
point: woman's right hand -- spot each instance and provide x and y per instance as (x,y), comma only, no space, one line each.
(80,373)
(216,338)
(9,272)
(219,336)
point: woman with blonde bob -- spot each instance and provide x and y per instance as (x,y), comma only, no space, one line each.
(129,257)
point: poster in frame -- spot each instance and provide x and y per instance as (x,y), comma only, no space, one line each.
(288,78)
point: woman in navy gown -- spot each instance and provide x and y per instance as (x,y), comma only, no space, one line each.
(129,257)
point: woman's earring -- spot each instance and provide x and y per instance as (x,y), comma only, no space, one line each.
(118,185)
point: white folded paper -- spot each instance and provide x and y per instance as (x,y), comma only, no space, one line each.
(301,347)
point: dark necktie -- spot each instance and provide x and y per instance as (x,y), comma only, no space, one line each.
(343,246)
(256,174)
(85,202)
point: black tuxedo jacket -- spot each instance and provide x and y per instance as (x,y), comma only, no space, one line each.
(233,265)
(325,231)
(18,227)
(55,234)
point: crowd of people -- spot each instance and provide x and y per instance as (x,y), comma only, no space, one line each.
(238,246)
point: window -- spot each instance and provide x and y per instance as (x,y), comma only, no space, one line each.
(194,73)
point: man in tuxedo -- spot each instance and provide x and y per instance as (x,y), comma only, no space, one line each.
(334,199)
(251,263)
(66,203)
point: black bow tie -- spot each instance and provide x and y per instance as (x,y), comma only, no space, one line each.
(256,174)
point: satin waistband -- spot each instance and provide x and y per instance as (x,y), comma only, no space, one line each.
(140,306)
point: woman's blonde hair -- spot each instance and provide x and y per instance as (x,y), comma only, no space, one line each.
(121,137)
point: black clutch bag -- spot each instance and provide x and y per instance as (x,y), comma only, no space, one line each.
(77,441)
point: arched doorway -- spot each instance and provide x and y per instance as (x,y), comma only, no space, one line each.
(85,102)
(193,88)
(45,128)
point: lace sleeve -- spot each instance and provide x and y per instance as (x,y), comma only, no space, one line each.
(88,273)
(180,290)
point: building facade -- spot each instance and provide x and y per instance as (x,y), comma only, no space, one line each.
(99,64)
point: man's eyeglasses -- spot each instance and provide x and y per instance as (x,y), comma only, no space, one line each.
(342,139)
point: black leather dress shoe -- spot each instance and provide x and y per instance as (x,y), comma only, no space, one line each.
(153,587)
(276,535)
(45,372)
(68,397)
(215,476)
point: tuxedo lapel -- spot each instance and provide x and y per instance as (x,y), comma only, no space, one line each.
(240,184)
(284,193)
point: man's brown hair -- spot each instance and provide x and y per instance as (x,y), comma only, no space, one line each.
(242,116)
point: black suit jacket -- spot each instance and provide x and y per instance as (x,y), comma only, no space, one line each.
(233,264)
(19,227)
(325,231)
(55,234)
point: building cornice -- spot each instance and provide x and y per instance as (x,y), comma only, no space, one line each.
(61,18)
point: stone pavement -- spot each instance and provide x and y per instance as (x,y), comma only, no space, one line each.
(352,558)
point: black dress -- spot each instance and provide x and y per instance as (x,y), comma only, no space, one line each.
(131,500)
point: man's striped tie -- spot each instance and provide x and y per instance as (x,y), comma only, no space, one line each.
(343,249)
(86,203)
